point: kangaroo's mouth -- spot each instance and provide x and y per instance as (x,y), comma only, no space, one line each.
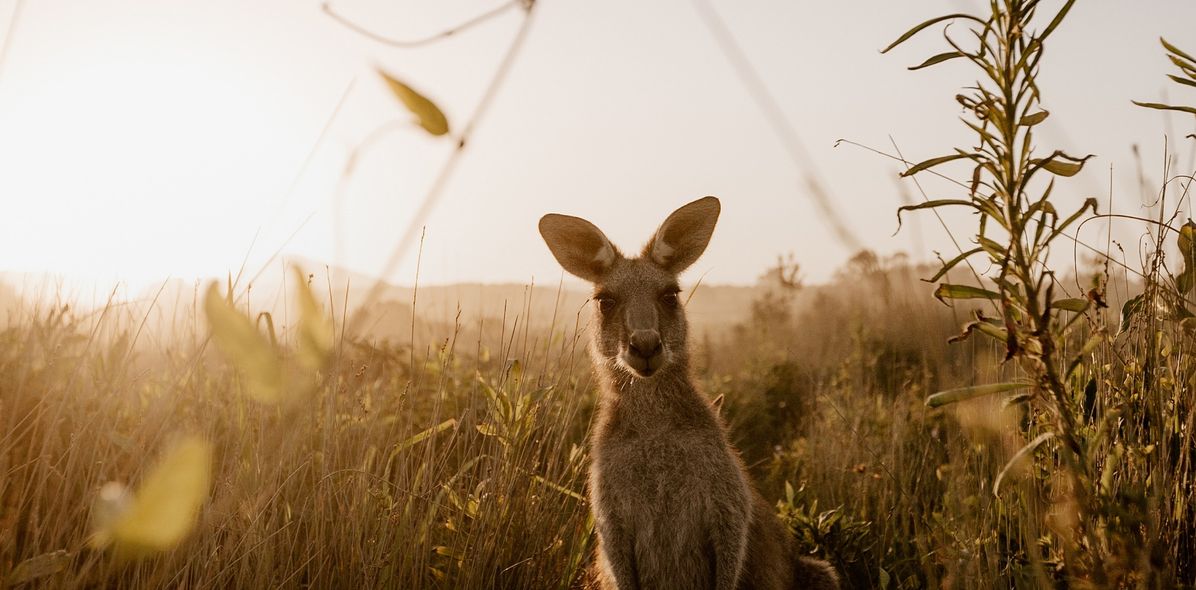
(641,366)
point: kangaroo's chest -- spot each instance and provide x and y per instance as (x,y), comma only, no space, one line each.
(665,482)
(661,497)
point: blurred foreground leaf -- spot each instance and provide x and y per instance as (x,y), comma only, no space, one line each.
(164,508)
(246,347)
(315,328)
(428,115)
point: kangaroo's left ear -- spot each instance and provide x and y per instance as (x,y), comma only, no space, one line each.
(683,237)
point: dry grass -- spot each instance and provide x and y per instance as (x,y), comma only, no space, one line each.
(445,471)
(464,468)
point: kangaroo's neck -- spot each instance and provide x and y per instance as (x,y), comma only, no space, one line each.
(627,403)
(671,380)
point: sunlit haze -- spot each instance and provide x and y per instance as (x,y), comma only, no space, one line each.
(147,140)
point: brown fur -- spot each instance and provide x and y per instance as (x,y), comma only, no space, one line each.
(672,501)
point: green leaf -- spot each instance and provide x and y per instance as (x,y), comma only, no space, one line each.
(487,429)
(1165,107)
(1184,282)
(1076,304)
(246,347)
(938,59)
(421,436)
(165,506)
(1034,118)
(1187,243)
(1018,457)
(1177,51)
(949,291)
(947,266)
(984,326)
(993,248)
(1187,278)
(1055,22)
(1096,339)
(930,205)
(1184,66)
(1089,203)
(919,28)
(951,396)
(991,208)
(933,162)
(427,114)
(1061,164)
(558,488)
(1184,81)
(1131,307)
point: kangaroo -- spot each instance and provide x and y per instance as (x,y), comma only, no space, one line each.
(672,502)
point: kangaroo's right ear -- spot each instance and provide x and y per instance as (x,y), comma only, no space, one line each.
(580,247)
(683,237)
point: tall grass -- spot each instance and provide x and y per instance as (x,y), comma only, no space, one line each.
(1103,413)
(392,473)
(465,469)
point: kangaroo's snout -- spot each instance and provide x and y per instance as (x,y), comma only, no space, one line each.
(645,354)
(645,343)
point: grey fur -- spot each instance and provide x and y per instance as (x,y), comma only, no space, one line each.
(672,501)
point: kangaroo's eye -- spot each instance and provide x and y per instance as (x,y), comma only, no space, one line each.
(606,304)
(669,299)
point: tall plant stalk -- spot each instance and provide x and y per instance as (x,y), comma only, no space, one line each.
(1018,223)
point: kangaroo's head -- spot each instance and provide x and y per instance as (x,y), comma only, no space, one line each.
(642,323)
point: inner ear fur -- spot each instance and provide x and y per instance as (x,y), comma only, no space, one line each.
(581,248)
(683,237)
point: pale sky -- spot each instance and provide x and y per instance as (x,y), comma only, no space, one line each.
(145,140)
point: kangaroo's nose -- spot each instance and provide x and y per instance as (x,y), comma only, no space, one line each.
(645,343)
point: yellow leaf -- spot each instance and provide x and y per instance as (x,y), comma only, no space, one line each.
(426,112)
(487,429)
(165,506)
(315,329)
(246,347)
(420,437)
(1034,118)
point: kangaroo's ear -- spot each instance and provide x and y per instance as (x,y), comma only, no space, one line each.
(683,237)
(580,247)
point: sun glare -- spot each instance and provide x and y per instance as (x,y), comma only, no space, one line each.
(142,163)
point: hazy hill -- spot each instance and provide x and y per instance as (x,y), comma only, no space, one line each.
(174,306)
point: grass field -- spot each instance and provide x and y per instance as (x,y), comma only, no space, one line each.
(456,463)
(460,463)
